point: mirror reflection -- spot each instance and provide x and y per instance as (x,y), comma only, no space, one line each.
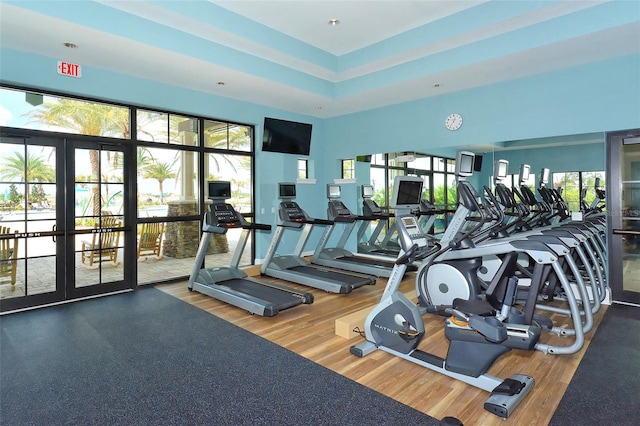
(576,166)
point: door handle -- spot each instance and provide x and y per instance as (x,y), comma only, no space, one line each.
(53,237)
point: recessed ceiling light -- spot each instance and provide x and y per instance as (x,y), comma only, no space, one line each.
(70,45)
(333,22)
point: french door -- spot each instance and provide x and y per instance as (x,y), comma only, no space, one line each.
(63,233)
(623,206)
(95,218)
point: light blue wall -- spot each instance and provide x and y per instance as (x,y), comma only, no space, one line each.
(598,97)
(37,72)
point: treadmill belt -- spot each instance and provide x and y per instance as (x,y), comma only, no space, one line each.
(280,298)
(332,275)
(374,262)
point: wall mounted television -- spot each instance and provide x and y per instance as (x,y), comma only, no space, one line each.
(288,137)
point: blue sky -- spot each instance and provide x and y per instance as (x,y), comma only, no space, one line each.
(13,109)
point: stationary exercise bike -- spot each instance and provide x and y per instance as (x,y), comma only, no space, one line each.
(396,326)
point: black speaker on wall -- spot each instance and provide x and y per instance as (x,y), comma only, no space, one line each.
(477,164)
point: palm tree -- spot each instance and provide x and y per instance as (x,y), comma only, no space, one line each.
(31,169)
(88,118)
(143,158)
(159,171)
(85,118)
(226,138)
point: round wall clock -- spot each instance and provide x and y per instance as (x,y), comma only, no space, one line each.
(453,121)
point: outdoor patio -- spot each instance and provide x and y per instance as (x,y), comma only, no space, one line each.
(41,271)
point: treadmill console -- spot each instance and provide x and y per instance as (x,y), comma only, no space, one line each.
(224,215)
(410,232)
(371,208)
(290,211)
(337,211)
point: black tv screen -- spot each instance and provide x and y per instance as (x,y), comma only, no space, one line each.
(288,137)
(407,192)
(219,189)
(287,190)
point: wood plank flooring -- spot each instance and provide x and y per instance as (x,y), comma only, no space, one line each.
(309,331)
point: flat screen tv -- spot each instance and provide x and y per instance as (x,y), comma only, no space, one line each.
(501,170)
(284,136)
(219,190)
(286,191)
(407,192)
(464,163)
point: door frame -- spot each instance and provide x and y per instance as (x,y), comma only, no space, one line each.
(64,234)
(26,139)
(128,237)
(615,232)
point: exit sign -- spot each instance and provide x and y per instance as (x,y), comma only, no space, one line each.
(67,68)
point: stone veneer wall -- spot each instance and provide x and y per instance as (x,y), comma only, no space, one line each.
(182,238)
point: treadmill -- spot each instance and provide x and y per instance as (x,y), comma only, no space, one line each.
(228,283)
(339,257)
(372,212)
(294,267)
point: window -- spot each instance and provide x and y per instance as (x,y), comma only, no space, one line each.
(348,169)
(176,155)
(578,187)
(422,162)
(437,172)
(161,173)
(166,128)
(27,110)
(303,168)
(228,136)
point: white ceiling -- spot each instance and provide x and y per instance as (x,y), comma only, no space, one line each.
(284,54)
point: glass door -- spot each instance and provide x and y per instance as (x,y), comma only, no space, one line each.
(63,233)
(97,223)
(624,216)
(31,221)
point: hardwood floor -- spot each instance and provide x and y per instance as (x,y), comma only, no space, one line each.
(309,331)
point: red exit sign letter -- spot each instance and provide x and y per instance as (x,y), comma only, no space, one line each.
(67,68)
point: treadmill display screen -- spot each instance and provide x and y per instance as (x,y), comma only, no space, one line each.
(287,190)
(219,189)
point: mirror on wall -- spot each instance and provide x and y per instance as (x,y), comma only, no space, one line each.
(575,163)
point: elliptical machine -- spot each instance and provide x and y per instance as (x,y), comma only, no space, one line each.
(396,326)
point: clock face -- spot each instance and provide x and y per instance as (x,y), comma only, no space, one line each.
(453,121)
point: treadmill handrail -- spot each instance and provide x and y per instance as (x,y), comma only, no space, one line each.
(258,226)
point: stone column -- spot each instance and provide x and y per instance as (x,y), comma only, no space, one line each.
(182,238)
